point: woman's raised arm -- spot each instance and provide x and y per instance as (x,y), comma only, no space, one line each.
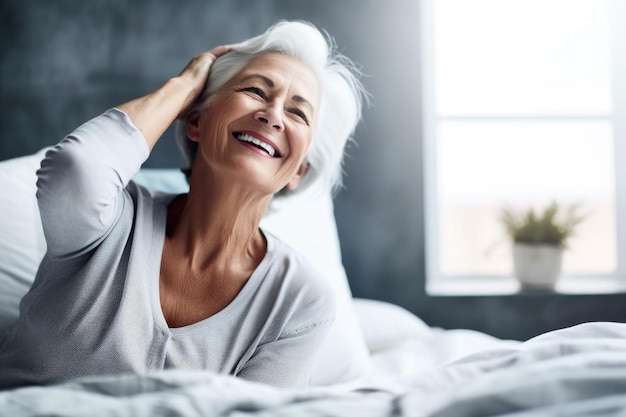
(156,111)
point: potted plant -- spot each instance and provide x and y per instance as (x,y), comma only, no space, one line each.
(539,240)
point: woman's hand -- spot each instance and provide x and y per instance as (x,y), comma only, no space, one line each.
(152,114)
(196,73)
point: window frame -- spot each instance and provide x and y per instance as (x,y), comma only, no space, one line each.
(439,284)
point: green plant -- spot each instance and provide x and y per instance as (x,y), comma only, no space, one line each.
(552,227)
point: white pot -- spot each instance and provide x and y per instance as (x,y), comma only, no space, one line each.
(537,266)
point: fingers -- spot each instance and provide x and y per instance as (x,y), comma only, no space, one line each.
(200,64)
(206,59)
(218,51)
(197,71)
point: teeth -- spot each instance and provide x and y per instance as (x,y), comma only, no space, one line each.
(247,138)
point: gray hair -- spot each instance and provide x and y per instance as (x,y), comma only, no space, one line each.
(342,96)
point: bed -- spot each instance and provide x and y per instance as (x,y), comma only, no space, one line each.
(379,359)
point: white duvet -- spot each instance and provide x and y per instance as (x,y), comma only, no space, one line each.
(415,371)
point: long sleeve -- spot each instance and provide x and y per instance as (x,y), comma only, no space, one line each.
(80,182)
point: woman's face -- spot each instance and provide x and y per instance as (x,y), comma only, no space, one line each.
(260,125)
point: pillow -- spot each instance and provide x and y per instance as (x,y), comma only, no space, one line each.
(21,244)
(304,222)
(385,325)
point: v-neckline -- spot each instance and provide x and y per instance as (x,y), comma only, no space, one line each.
(160,211)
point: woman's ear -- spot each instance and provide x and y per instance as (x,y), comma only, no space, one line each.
(193,125)
(297,177)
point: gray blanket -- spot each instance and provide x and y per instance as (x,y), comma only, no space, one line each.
(580,371)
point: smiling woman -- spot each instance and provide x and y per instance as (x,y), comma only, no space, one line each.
(136,280)
(340,96)
(262,108)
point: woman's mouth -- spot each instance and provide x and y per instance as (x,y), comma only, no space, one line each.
(258,143)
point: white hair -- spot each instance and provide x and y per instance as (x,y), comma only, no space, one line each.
(342,96)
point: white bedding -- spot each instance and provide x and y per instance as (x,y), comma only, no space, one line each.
(574,372)
(380,360)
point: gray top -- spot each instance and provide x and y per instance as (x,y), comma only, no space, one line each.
(94,307)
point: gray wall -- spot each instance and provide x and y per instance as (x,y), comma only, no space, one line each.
(65,61)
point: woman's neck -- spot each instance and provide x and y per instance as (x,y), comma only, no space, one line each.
(218,227)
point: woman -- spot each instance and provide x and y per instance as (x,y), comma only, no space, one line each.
(135,280)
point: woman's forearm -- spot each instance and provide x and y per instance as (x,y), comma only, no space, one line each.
(153,113)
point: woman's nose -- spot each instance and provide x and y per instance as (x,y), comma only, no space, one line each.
(270,117)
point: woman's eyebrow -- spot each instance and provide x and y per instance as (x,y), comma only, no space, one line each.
(265,79)
(271,84)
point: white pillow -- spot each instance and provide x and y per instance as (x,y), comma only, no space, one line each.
(21,237)
(385,325)
(306,223)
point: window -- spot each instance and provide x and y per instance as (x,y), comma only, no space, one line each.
(524,104)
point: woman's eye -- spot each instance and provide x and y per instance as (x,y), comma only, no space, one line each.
(255,90)
(299,113)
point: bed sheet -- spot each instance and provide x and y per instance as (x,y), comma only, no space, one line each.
(416,371)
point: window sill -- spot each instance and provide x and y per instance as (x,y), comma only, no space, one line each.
(480,286)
